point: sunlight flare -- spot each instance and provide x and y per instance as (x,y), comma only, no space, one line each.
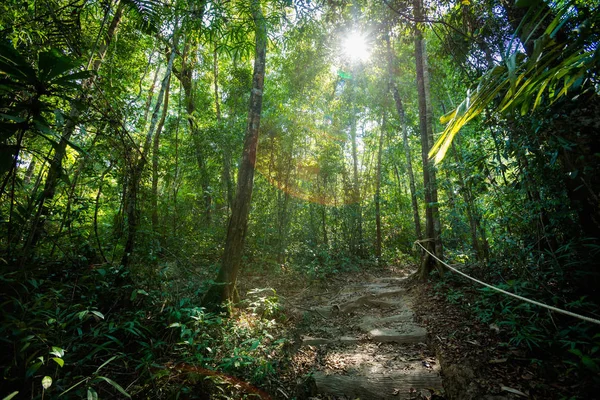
(355,47)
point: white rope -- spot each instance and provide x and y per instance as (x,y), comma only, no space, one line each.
(537,303)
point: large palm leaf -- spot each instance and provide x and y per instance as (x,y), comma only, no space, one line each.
(522,83)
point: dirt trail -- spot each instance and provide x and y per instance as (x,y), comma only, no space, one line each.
(362,342)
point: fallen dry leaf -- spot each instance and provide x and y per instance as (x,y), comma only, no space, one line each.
(514,391)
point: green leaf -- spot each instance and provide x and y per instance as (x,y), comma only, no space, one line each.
(91,394)
(590,364)
(344,75)
(15,65)
(73,387)
(59,361)
(46,382)
(115,385)
(577,352)
(52,64)
(98,314)
(14,118)
(57,351)
(105,363)
(10,396)
(33,369)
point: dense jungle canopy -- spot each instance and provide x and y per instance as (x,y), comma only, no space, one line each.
(155,155)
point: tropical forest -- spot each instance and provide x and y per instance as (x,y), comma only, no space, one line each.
(300,199)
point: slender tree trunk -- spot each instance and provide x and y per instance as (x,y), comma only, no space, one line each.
(355,207)
(407,152)
(236,232)
(226,172)
(432,239)
(176,171)
(96,208)
(378,189)
(435,212)
(185,76)
(472,213)
(409,166)
(137,166)
(149,99)
(155,158)
(29,172)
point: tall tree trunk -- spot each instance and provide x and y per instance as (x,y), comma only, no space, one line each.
(185,76)
(435,212)
(29,172)
(236,232)
(407,152)
(155,158)
(472,213)
(432,240)
(138,164)
(378,189)
(355,207)
(408,156)
(96,209)
(226,172)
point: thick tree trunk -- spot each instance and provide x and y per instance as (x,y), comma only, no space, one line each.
(224,288)
(432,232)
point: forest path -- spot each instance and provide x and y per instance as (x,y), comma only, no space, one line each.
(361,341)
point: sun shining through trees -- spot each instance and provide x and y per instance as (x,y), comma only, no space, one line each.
(180,180)
(355,47)
(304,173)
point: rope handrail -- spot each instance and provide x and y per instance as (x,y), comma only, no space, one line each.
(537,303)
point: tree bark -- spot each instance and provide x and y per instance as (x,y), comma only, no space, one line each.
(378,189)
(226,172)
(355,207)
(432,239)
(407,152)
(138,165)
(224,287)
(155,158)
(185,76)
(408,156)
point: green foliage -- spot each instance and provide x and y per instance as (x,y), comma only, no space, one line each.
(30,93)
(95,331)
(523,82)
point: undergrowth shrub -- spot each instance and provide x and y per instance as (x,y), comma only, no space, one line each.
(100,333)
(543,334)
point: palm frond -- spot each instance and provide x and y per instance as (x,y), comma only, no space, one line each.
(521,84)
